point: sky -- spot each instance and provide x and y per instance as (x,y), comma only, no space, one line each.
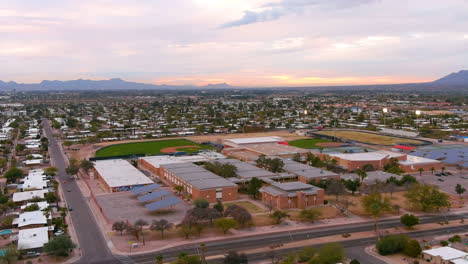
(241,42)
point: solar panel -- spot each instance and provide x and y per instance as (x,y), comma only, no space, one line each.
(153,195)
(166,202)
(147,188)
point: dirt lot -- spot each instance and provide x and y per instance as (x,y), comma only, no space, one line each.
(125,206)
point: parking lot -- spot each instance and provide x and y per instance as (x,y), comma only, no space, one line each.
(125,206)
(446,183)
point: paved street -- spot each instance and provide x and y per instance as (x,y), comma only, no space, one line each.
(92,244)
(238,244)
(95,250)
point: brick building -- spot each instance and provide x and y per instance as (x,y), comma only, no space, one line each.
(292,195)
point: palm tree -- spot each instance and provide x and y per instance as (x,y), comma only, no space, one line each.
(420,171)
(139,224)
(432,170)
(443,169)
(361,173)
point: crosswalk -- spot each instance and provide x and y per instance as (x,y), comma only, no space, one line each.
(124,259)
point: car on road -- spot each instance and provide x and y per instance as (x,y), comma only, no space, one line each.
(440,180)
(438,174)
(70,208)
(64,182)
(68,190)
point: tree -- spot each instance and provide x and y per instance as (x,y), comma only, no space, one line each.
(361,173)
(201,203)
(219,206)
(335,187)
(253,187)
(297,157)
(86,165)
(32,207)
(224,224)
(376,205)
(392,244)
(409,220)
(50,197)
(352,185)
(328,254)
(368,167)
(459,189)
(427,197)
(239,213)
(354,261)
(235,258)
(13,174)
(72,168)
(184,258)
(135,231)
(10,255)
(412,248)
(421,170)
(310,215)
(119,226)
(278,216)
(59,246)
(139,224)
(224,170)
(50,171)
(179,189)
(159,259)
(161,226)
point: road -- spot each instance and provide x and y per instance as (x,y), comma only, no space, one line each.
(239,244)
(94,248)
(92,245)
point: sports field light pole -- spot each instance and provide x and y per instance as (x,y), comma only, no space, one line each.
(385,111)
(418,113)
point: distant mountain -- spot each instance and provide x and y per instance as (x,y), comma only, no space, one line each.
(111,84)
(455,78)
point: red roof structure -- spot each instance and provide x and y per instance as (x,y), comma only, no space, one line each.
(403,147)
(284,143)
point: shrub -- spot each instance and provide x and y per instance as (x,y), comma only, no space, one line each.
(444,243)
(412,248)
(391,244)
(455,239)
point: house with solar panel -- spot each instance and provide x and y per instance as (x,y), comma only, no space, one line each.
(118,175)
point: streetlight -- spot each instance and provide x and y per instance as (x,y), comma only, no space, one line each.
(385,110)
(418,113)
(305,112)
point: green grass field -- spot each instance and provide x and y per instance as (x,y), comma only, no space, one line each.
(148,148)
(307,143)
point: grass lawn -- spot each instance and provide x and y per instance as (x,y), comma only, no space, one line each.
(369,138)
(252,208)
(307,143)
(149,147)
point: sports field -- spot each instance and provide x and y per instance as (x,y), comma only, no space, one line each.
(150,148)
(370,138)
(307,143)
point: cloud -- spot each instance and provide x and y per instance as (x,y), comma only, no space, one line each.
(273,11)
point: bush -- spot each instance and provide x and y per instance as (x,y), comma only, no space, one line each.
(355,261)
(412,248)
(325,202)
(391,244)
(409,220)
(455,239)
(444,243)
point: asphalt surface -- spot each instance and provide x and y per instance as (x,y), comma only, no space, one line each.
(92,245)
(257,241)
(94,248)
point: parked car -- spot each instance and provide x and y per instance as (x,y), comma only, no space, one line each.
(438,174)
(70,208)
(32,254)
(59,232)
(440,180)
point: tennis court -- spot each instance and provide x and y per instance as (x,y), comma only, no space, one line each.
(449,154)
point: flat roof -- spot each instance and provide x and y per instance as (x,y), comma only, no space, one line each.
(26,196)
(30,218)
(446,253)
(272,149)
(198,176)
(254,140)
(410,160)
(372,176)
(247,170)
(33,238)
(305,170)
(367,156)
(119,172)
(157,161)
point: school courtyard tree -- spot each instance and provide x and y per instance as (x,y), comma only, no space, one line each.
(224,224)
(427,197)
(375,204)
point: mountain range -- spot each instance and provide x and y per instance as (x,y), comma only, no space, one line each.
(453,82)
